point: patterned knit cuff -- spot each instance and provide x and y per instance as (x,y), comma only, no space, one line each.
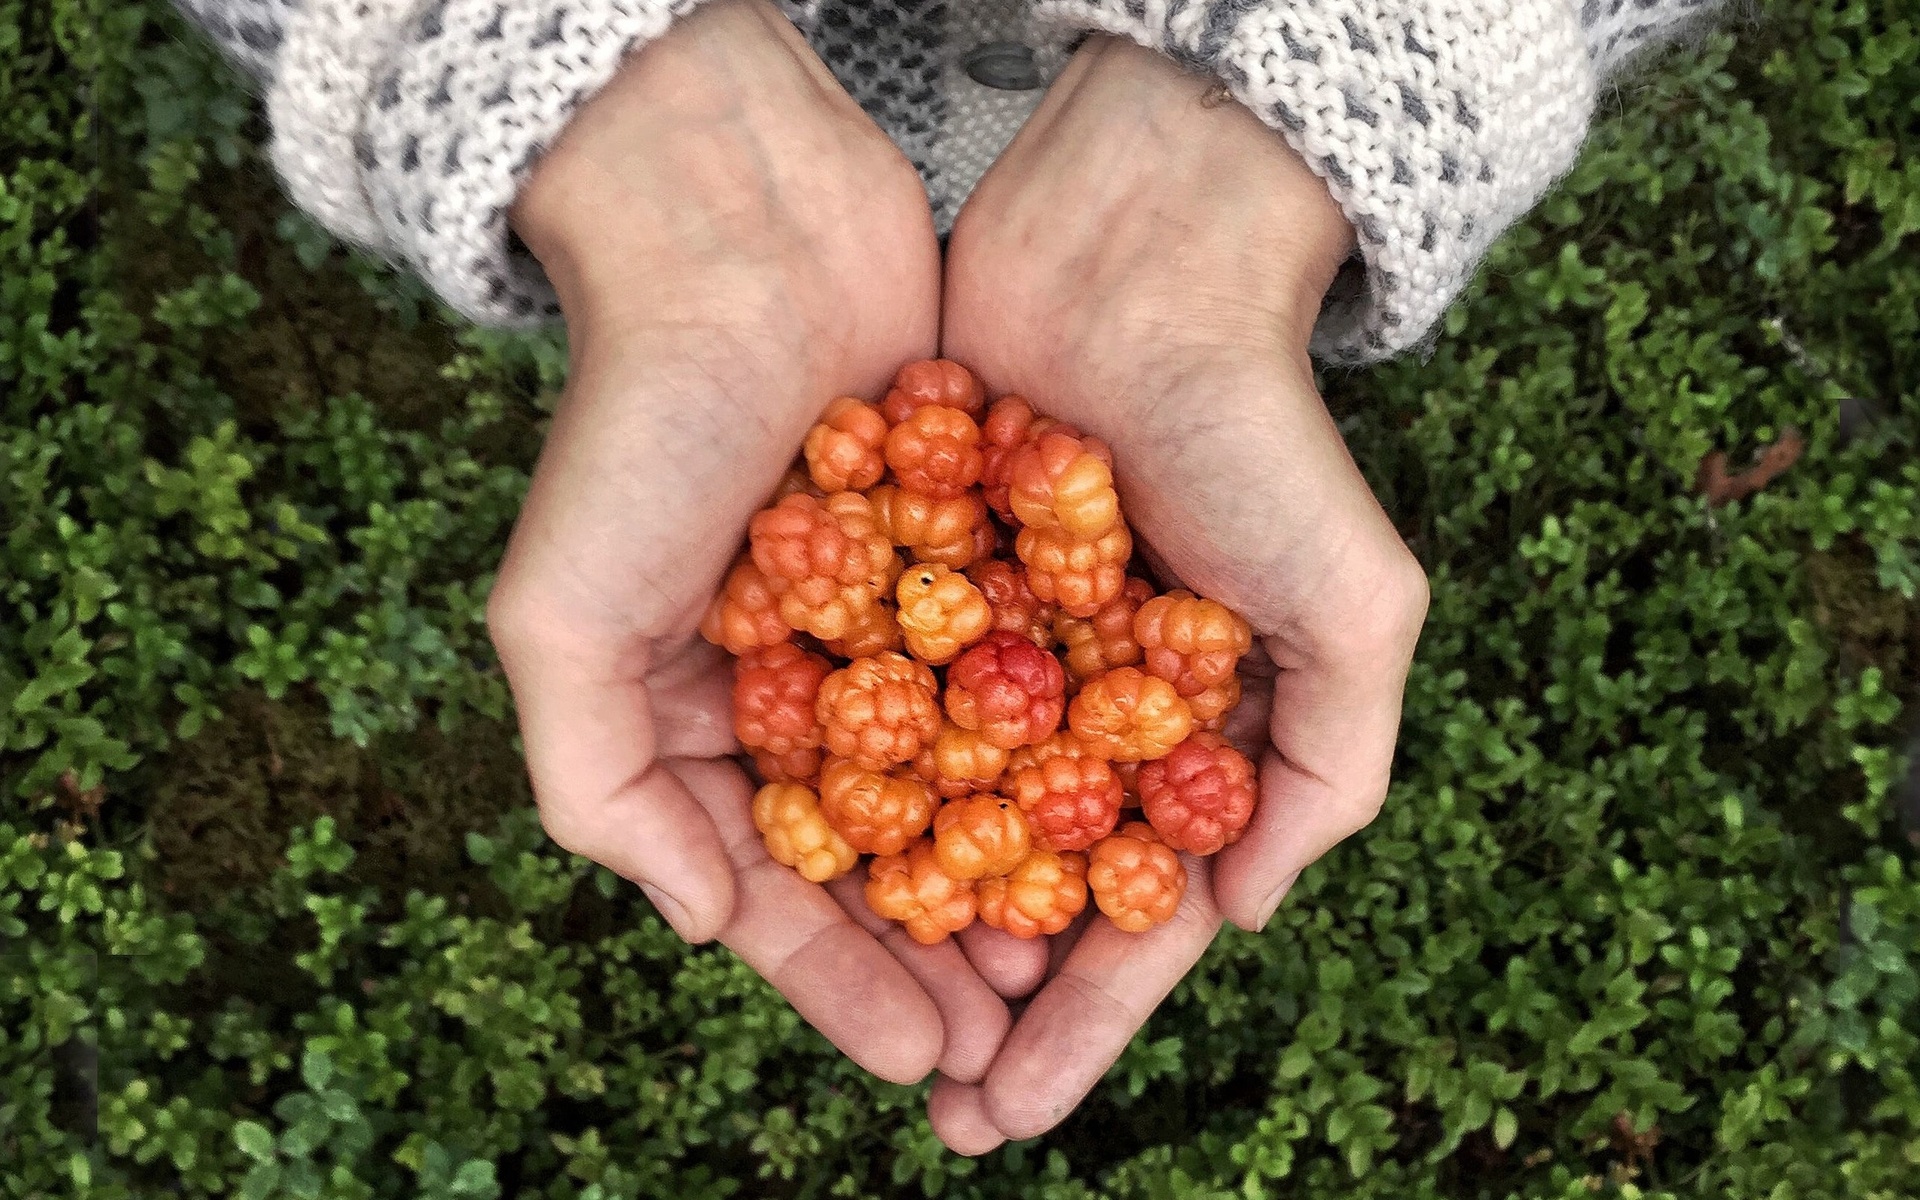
(408,126)
(1435,123)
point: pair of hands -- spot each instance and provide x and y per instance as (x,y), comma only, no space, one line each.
(734,243)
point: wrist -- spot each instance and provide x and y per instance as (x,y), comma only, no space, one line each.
(687,119)
(1182,126)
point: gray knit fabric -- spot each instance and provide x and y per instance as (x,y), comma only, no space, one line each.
(406,126)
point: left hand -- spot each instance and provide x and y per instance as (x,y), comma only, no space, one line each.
(1176,253)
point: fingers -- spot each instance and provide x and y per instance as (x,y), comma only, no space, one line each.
(1011,966)
(973,1018)
(1335,715)
(1076,1026)
(958,1113)
(586,719)
(834,973)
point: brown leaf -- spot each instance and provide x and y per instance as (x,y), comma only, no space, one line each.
(1721,488)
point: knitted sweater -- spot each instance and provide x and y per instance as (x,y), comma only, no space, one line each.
(406,126)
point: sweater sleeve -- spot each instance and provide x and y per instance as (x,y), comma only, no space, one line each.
(1435,123)
(407,126)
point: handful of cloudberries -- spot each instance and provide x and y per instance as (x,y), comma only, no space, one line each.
(979,722)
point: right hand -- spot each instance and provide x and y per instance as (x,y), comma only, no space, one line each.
(733,243)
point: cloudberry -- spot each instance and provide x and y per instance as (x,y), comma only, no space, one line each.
(1011,423)
(1136,879)
(846,450)
(1104,640)
(876,812)
(935,452)
(827,560)
(941,614)
(1040,896)
(1064,743)
(745,616)
(933,381)
(1192,643)
(1059,481)
(879,711)
(1071,803)
(873,631)
(1200,796)
(1015,608)
(1079,576)
(977,836)
(796,835)
(1129,715)
(952,533)
(1211,705)
(1009,689)
(965,757)
(909,887)
(795,766)
(773,698)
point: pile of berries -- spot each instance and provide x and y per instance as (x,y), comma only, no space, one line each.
(979,722)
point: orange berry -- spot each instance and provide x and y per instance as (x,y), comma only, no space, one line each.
(1059,481)
(796,835)
(873,631)
(845,451)
(909,887)
(745,616)
(1104,640)
(935,452)
(795,766)
(1064,743)
(879,711)
(952,532)
(1079,576)
(774,691)
(1011,423)
(979,836)
(933,381)
(1192,643)
(876,812)
(827,560)
(941,613)
(1211,705)
(1070,803)
(1015,608)
(1040,896)
(1200,797)
(1129,715)
(963,759)
(1009,689)
(1136,879)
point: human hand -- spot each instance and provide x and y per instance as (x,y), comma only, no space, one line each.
(1175,252)
(733,242)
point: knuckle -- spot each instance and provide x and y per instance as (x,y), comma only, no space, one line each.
(565,829)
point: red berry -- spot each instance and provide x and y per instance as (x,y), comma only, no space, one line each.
(1007,688)
(933,381)
(774,691)
(1071,803)
(1135,878)
(1015,608)
(1199,797)
(795,766)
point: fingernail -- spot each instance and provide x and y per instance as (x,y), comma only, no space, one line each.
(670,909)
(1273,902)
